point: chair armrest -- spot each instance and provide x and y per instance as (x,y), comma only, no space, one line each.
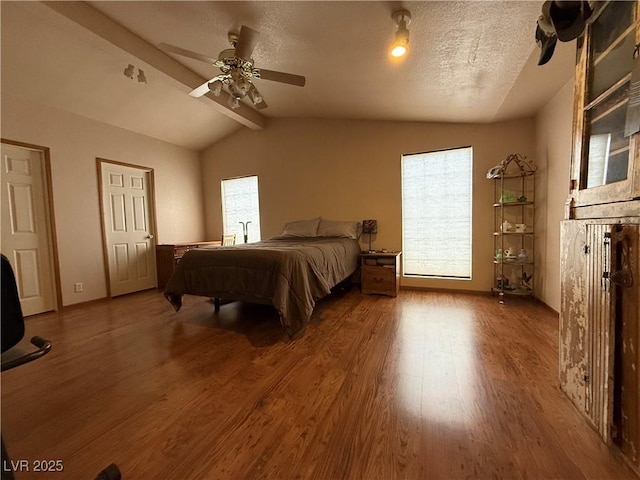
(43,345)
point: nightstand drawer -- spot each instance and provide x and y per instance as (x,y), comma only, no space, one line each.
(379,279)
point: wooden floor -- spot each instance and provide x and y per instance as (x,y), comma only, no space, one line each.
(425,385)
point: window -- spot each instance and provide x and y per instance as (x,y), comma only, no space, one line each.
(436,213)
(241,208)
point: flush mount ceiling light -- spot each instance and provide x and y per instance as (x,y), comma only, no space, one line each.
(401,42)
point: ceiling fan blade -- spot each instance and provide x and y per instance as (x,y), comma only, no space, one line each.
(204,88)
(246,43)
(201,90)
(281,77)
(185,53)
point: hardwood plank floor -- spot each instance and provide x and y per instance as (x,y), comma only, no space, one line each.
(423,386)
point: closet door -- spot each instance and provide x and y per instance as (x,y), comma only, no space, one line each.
(625,279)
(573,331)
(600,328)
(587,332)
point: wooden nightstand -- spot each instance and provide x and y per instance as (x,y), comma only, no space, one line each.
(381,272)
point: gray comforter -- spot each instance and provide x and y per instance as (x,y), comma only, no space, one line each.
(289,273)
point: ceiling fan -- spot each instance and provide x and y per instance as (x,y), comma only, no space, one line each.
(238,70)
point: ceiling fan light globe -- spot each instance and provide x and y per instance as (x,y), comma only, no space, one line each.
(242,85)
(215,87)
(234,102)
(238,90)
(255,97)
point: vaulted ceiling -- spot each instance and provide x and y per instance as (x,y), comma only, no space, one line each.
(469,61)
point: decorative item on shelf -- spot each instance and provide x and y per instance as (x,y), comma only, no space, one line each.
(520,227)
(504,284)
(509,253)
(522,255)
(526,280)
(499,254)
(370,227)
(508,197)
(506,226)
(522,198)
(514,281)
(524,167)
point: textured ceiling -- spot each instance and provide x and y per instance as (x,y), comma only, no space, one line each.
(469,61)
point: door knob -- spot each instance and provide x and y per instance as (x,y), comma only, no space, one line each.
(149,236)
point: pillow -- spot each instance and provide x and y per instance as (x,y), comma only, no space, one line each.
(301,228)
(331,228)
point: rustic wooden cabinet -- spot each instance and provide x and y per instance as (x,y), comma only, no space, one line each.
(600,237)
(168,256)
(381,273)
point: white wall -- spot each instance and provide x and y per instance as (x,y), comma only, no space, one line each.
(350,170)
(553,150)
(74,144)
(337,169)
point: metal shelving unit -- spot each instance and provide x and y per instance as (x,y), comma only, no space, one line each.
(513,238)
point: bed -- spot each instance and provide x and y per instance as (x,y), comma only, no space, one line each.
(289,272)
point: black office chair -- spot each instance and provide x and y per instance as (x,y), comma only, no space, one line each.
(12,324)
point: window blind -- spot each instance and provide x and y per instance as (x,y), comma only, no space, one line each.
(599,148)
(436,213)
(240,204)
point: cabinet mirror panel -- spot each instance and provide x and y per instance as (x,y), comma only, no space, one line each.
(612,65)
(605,156)
(610,24)
(607,148)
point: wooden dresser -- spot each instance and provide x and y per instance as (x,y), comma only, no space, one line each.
(168,256)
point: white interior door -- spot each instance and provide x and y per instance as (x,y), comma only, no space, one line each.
(128,230)
(25,238)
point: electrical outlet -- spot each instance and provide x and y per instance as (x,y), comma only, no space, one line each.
(78,287)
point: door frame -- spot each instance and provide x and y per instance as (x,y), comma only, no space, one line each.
(47,183)
(152,212)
